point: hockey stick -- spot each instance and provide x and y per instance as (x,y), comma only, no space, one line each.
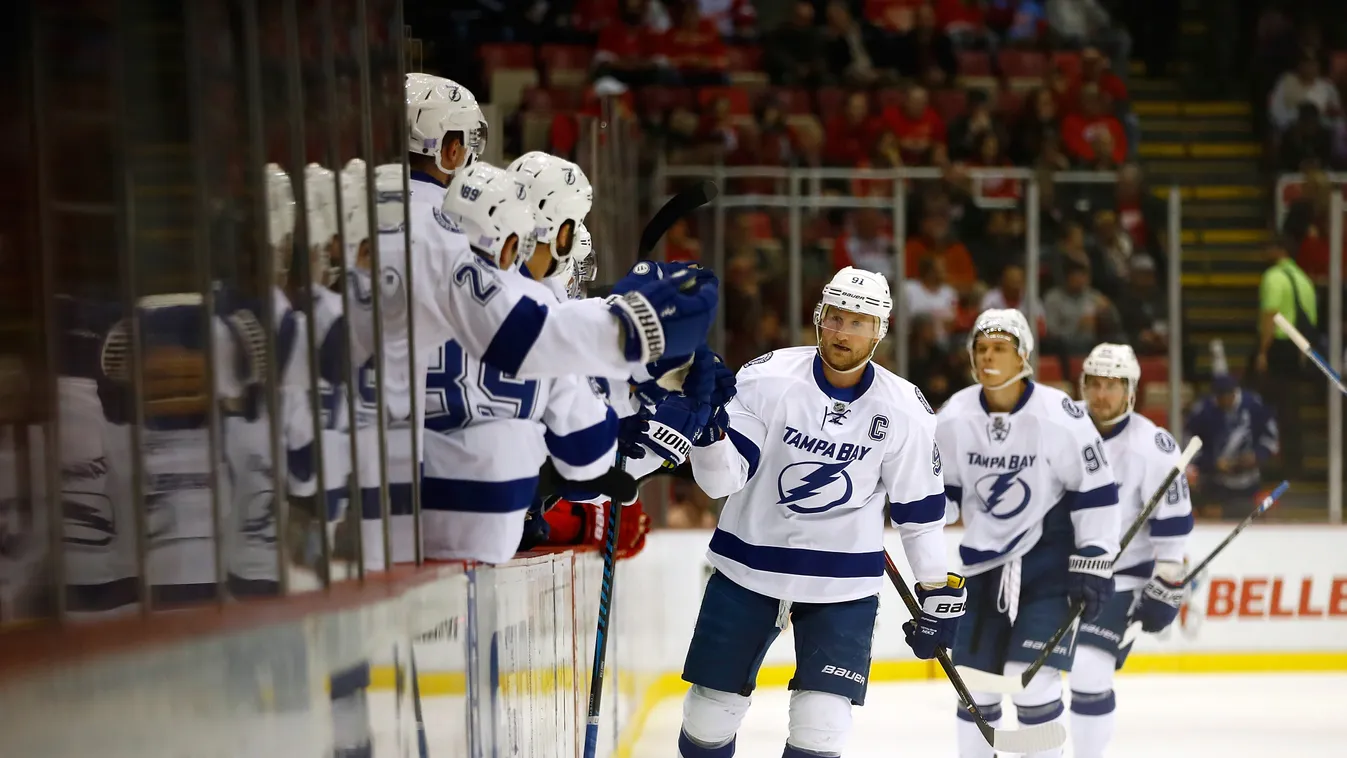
(1029,739)
(985,681)
(601,636)
(1260,510)
(1134,629)
(675,208)
(422,745)
(1304,345)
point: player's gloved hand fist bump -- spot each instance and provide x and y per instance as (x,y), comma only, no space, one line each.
(1090,580)
(673,426)
(721,394)
(941,609)
(667,316)
(1162,598)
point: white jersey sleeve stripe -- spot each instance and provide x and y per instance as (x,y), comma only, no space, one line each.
(924,511)
(797,561)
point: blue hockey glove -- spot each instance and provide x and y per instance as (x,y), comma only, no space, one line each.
(630,432)
(941,609)
(1090,581)
(673,426)
(721,394)
(669,316)
(1160,601)
(645,272)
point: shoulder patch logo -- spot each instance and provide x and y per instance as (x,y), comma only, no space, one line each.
(1072,409)
(444,220)
(760,359)
(1165,442)
(936,465)
(922,399)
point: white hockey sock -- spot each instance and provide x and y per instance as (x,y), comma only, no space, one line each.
(1092,721)
(1040,702)
(971,742)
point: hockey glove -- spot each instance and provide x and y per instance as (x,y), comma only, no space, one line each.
(1090,580)
(674,425)
(941,609)
(669,316)
(1161,599)
(722,393)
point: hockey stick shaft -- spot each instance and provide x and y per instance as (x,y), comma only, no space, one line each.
(422,745)
(1300,342)
(1189,452)
(601,635)
(674,208)
(1260,510)
(941,655)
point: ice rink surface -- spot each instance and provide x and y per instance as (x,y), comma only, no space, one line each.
(1188,716)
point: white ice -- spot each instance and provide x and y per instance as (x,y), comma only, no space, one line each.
(1181,716)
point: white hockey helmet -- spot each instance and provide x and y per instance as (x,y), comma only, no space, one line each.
(1117,362)
(560,192)
(584,269)
(1004,323)
(280,215)
(437,106)
(858,291)
(353,204)
(489,206)
(320,205)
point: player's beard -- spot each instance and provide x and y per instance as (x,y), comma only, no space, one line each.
(844,360)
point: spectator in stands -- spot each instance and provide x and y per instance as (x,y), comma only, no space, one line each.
(1278,365)
(1019,22)
(1240,437)
(717,128)
(1306,226)
(851,132)
(1033,126)
(767,141)
(1307,144)
(626,44)
(1094,70)
(921,131)
(795,52)
(1070,249)
(1143,308)
(695,50)
(934,239)
(1001,242)
(1081,23)
(1110,253)
(964,21)
(925,54)
(1094,136)
(679,244)
(1141,214)
(851,46)
(733,19)
(682,142)
(1305,84)
(865,244)
(595,16)
(932,298)
(930,364)
(995,191)
(1078,316)
(965,131)
(744,310)
(1010,293)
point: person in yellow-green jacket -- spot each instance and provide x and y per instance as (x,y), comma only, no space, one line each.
(1278,364)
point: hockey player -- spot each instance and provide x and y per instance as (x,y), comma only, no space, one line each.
(1040,515)
(1141,455)
(817,438)
(489,432)
(1241,434)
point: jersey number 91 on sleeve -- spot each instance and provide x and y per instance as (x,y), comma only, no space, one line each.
(1094,456)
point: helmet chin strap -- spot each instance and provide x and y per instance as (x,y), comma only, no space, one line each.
(818,338)
(1025,372)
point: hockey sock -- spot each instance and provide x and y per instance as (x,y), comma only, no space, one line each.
(1092,722)
(1040,703)
(794,752)
(688,748)
(971,742)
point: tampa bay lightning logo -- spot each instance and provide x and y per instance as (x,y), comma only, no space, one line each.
(1072,410)
(760,359)
(1164,442)
(1004,495)
(811,481)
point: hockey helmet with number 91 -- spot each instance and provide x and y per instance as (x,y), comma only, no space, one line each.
(437,106)
(1007,324)
(1113,361)
(561,195)
(857,291)
(489,206)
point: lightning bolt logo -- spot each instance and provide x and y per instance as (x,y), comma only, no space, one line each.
(808,482)
(994,489)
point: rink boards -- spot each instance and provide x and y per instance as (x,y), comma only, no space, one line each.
(510,647)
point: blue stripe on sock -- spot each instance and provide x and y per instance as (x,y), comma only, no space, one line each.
(1030,715)
(1093,703)
(990,712)
(689,749)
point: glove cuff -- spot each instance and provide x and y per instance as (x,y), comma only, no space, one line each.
(644,339)
(671,440)
(1165,592)
(1101,566)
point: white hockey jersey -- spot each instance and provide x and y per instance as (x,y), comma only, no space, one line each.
(808,467)
(487,435)
(1142,455)
(1006,471)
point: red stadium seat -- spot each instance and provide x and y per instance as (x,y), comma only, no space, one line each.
(508,55)
(795,100)
(1068,63)
(739,103)
(950,103)
(1154,368)
(655,101)
(974,63)
(1009,103)
(1022,64)
(565,58)
(890,97)
(1076,363)
(744,58)
(831,100)
(1049,370)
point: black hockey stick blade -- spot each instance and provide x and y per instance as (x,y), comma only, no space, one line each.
(1029,739)
(986,681)
(677,207)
